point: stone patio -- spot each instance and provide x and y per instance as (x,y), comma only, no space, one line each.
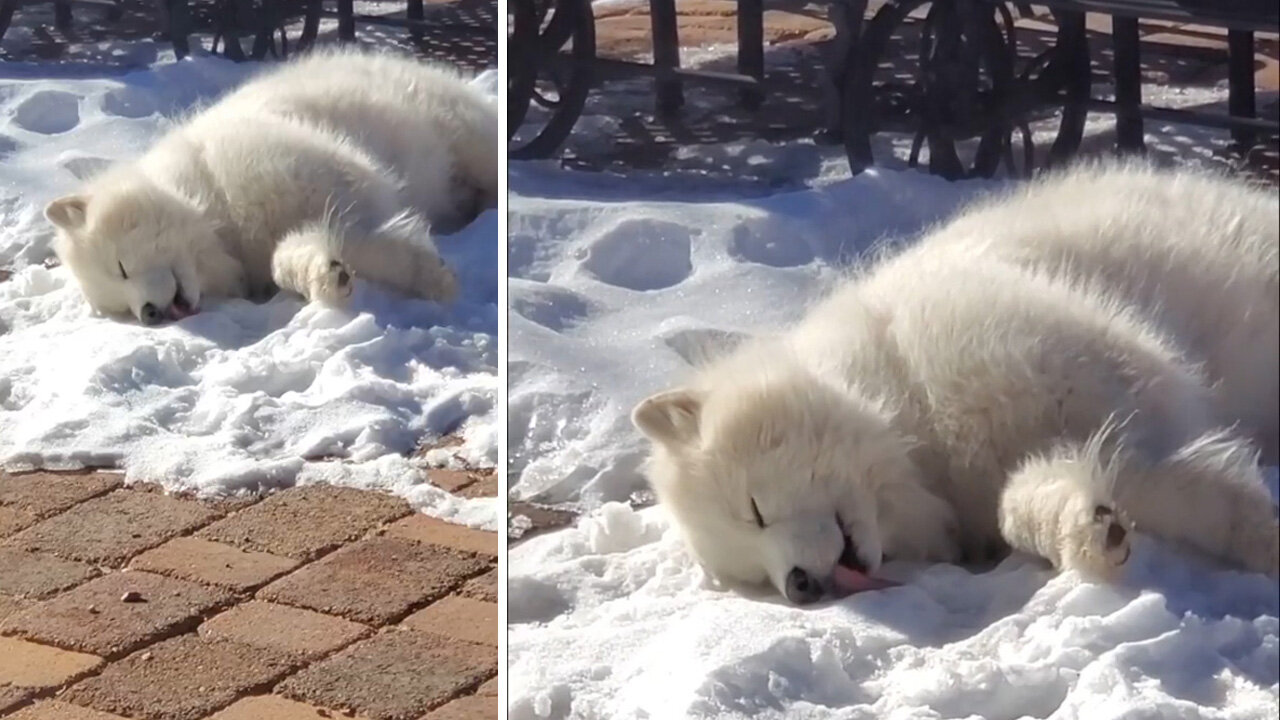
(797,36)
(134,39)
(123,602)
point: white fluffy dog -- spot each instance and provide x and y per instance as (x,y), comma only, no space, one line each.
(332,167)
(1094,352)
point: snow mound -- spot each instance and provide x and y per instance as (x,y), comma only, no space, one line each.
(612,619)
(610,298)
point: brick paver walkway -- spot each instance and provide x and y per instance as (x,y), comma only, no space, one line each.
(313,602)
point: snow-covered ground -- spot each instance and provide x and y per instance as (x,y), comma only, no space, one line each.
(615,283)
(242,396)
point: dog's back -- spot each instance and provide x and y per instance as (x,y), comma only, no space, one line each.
(427,122)
(1197,253)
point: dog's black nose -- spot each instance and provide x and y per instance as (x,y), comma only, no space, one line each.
(150,314)
(802,588)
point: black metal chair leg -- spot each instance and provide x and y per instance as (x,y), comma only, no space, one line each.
(1128,76)
(666,56)
(1241,98)
(751,49)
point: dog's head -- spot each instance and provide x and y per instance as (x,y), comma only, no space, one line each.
(132,247)
(784,479)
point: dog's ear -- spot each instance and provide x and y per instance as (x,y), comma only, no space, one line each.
(669,417)
(67,212)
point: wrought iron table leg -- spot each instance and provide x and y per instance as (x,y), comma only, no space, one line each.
(1128,75)
(346,21)
(269,21)
(847,19)
(1241,99)
(666,56)
(62,14)
(178,26)
(415,13)
(751,49)
(234,13)
(1073,43)
(311,24)
(6,14)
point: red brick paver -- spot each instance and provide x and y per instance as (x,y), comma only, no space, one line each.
(376,580)
(56,710)
(40,667)
(96,617)
(41,494)
(425,529)
(451,480)
(185,678)
(484,587)
(459,618)
(37,575)
(11,521)
(395,675)
(110,529)
(274,707)
(486,486)
(12,605)
(306,522)
(127,604)
(471,707)
(285,630)
(214,563)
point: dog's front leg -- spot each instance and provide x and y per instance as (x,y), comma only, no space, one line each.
(1059,506)
(216,273)
(307,261)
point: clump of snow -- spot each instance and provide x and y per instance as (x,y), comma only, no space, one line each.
(243,396)
(612,619)
(617,283)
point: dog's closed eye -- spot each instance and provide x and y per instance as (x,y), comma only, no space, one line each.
(123,275)
(755,509)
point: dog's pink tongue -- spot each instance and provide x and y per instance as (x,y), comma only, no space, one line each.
(177,312)
(851,581)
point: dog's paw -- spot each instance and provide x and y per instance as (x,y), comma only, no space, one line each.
(1255,542)
(1268,558)
(433,280)
(331,284)
(1096,542)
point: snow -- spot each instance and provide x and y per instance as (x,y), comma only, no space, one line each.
(613,620)
(609,296)
(242,397)
(616,283)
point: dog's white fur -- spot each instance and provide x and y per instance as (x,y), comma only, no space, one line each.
(1092,350)
(335,165)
